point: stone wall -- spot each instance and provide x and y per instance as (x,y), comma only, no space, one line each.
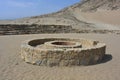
(15,29)
(87,55)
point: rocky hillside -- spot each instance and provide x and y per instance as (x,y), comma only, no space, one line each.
(72,16)
(85,6)
(93,5)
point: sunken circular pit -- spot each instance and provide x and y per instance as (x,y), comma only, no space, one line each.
(63,44)
(62,52)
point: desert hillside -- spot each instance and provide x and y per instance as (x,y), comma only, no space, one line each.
(85,15)
(79,13)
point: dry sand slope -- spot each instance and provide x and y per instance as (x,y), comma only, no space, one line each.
(12,67)
(84,15)
(103,16)
(102,19)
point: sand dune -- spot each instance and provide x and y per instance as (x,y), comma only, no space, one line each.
(12,67)
(103,16)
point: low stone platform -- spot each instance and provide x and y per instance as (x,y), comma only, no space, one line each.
(62,52)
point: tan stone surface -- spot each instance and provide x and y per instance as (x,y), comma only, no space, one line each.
(91,52)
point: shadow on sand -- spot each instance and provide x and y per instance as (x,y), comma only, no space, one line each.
(106,58)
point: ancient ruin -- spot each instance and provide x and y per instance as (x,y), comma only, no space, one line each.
(62,52)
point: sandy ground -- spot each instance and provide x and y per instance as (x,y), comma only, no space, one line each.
(103,16)
(12,67)
(102,19)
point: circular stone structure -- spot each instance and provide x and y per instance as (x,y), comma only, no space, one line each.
(63,44)
(62,52)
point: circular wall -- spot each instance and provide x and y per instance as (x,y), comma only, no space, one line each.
(62,52)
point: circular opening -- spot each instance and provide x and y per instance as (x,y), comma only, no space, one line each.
(63,43)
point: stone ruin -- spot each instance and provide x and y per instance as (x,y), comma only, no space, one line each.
(62,52)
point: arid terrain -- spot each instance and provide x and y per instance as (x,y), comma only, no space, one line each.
(84,17)
(89,19)
(14,68)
